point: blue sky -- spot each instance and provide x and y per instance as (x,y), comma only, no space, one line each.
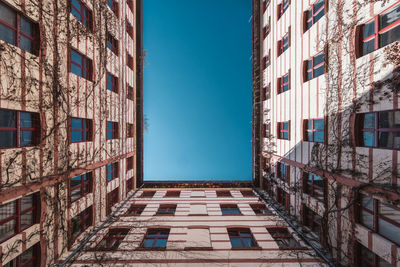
(197,89)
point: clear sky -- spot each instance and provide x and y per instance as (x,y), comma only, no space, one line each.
(197,89)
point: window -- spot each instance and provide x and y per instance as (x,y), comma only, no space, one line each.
(315,186)
(81,130)
(283,238)
(260,209)
(129,29)
(283,171)
(30,257)
(384,29)
(284,44)
(247,193)
(112,130)
(166,210)
(241,238)
(283,130)
(173,193)
(315,13)
(18,30)
(312,220)
(129,61)
(267,90)
(129,130)
(130,4)
(148,194)
(112,199)
(282,198)
(80,186)
(81,222)
(18,215)
(129,184)
(112,171)
(113,5)
(379,217)
(369,259)
(315,66)
(267,28)
(112,44)
(283,83)
(82,13)
(266,130)
(230,210)
(113,239)
(155,238)
(136,209)
(112,83)
(378,129)
(130,93)
(314,130)
(129,163)
(80,65)
(283,7)
(265,5)
(18,128)
(223,193)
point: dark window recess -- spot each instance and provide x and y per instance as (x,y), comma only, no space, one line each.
(224,193)
(136,209)
(378,129)
(283,130)
(315,186)
(148,194)
(130,93)
(312,220)
(282,198)
(314,14)
(113,5)
(283,238)
(247,193)
(283,172)
(113,239)
(166,210)
(284,44)
(18,30)
(314,130)
(82,13)
(130,130)
(80,65)
(241,238)
(230,210)
(283,7)
(315,66)
(266,130)
(112,44)
(366,258)
(130,4)
(384,29)
(283,83)
(112,83)
(28,258)
(80,186)
(18,215)
(260,209)
(129,184)
(112,171)
(173,193)
(81,130)
(112,130)
(129,61)
(155,238)
(112,199)
(81,222)
(382,218)
(18,128)
(129,29)
(129,163)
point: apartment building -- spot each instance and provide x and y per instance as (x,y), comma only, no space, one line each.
(196,224)
(325,83)
(70,90)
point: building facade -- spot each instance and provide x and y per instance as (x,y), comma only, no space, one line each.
(326,81)
(70,87)
(202,225)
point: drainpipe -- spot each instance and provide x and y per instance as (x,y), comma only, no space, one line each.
(79,248)
(302,236)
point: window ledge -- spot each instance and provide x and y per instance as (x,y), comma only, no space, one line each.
(293,248)
(156,249)
(247,248)
(198,248)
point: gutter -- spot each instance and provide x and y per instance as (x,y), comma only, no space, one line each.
(80,247)
(302,236)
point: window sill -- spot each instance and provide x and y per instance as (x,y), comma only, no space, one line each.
(293,248)
(165,214)
(232,214)
(156,249)
(246,248)
(198,248)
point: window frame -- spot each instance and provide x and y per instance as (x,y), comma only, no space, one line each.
(135,210)
(314,68)
(311,188)
(282,7)
(156,235)
(112,44)
(284,236)
(82,218)
(112,85)
(112,199)
(33,261)
(114,130)
(282,130)
(114,7)
(166,210)
(311,220)
(173,193)
(17,129)
(260,209)
(238,235)
(130,130)
(313,130)
(84,19)
(86,65)
(86,127)
(282,83)
(114,240)
(223,193)
(82,185)
(284,43)
(130,92)
(283,171)
(314,14)
(129,163)
(129,28)
(148,194)
(362,261)
(112,169)
(129,61)
(230,209)
(18,213)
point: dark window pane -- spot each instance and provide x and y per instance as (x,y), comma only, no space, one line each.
(319,15)
(319,136)
(26,202)
(7,210)
(75,194)
(7,15)
(27,255)
(310,136)
(248,242)
(366,254)
(369,121)
(368,29)
(26,27)
(285,135)
(7,138)
(389,139)
(7,34)
(286,125)
(76,137)
(76,123)
(147,243)
(236,242)
(7,118)
(161,243)
(26,120)
(389,17)
(26,138)
(76,58)
(390,119)
(318,59)
(319,124)
(369,138)
(369,46)
(318,5)
(7,229)
(76,70)
(26,220)
(319,71)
